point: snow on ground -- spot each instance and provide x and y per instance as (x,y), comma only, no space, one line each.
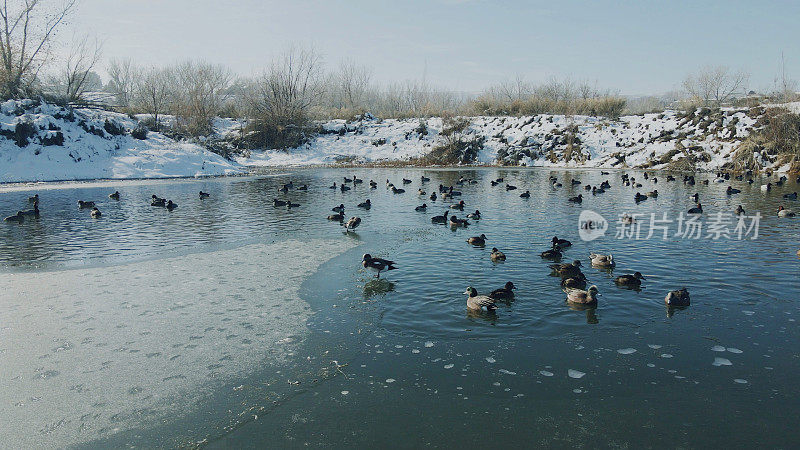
(88,146)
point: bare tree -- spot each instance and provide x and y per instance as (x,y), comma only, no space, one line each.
(152,94)
(512,90)
(349,86)
(27,28)
(715,85)
(75,75)
(198,93)
(122,83)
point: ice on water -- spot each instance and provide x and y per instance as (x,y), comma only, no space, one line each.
(88,352)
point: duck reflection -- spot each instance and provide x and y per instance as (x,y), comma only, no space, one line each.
(489,316)
(672,309)
(590,310)
(378,286)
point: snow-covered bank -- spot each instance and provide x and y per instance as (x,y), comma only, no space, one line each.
(87,353)
(703,140)
(44,142)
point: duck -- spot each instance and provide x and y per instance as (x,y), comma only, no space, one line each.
(599,260)
(783,212)
(303,187)
(478,240)
(567,270)
(739,210)
(421,207)
(494,183)
(639,197)
(290,205)
(677,298)
(556,184)
(19,217)
(338,217)
(406,181)
(573,283)
(276,202)
(95,213)
(456,222)
(792,196)
(372,184)
(357,180)
(377,264)
(695,197)
(32,212)
(696,210)
(170,206)
(33,199)
(333,186)
(348,180)
(366,204)
(421,193)
(477,302)
(440,219)
(504,293)
(562,243)
(398,191)
(351,224)
(475,216)
(575,182)
(630,280)
(653,193)
(731,190)
(766,187)
(424,179)
(459,206)
(510,187)
(627,219)
(552,254)
(526,194)
(433,196)
(158,202)
(114,195)
(204,194)
(82,204)
(581,297)
(339,209)
(497,255)
(343,188)
(576,199)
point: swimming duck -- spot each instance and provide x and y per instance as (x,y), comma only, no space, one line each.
(377,264)
(588,187)
(204,194)
(510,187)
(421,207)
(630,280)
(333,186)
(478,240)
(562,243)
(440,219)
(338,217)
(575,182)
(783,212)
(366,204)
(343,188)
(276,202)
(351,224)
(696,210)
(567,270)
(82,204)
(731,191)
(433,196)
(581,297)
(357,180)
(456,222)
(373,184)
(573,283)
(459,206)
(406,181)
(552,254)
(159,202)
(339,209)
(348,180)
(170,206)
(494,183)
(421,192)
(303,187)
(526,194)
(497,255)
(766,187)
(504,293)
(19,217)
(653,193)
(33,199)
(556,184)
(290,205)
(397,191)
(500,180)
(599,260)
(739,210)
(477,302)
(677,298)
(424,179)
(95,213)
(695,198)
(792,196)
(639,197)
(577,199)
(476,215)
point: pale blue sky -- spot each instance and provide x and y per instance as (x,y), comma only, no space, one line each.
(637,47)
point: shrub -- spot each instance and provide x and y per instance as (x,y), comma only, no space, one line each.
(140,132)
(113,128)
(56,138)
(23,132)
(458,147)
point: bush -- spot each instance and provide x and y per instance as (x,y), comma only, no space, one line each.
(113,128)
(23,132)
(56,138)
(140,132)
(458,147)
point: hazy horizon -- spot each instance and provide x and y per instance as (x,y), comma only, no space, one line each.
(461,45)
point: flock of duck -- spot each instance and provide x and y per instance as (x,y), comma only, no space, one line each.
(573,281)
